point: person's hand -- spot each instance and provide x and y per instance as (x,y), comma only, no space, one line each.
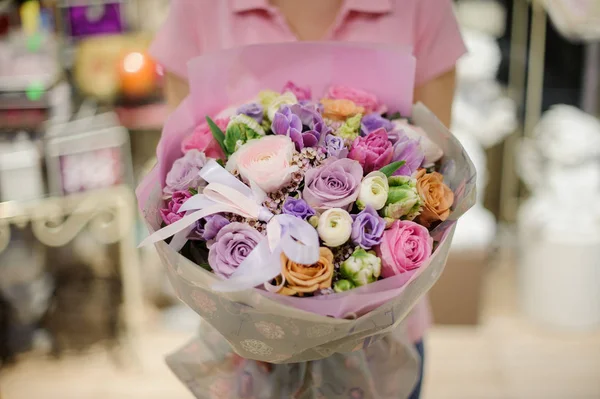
(264,366)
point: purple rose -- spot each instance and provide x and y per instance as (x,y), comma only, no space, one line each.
(171,214)
(298,208)
(301,93)
(302,123)
(373,152)
(335,184)
(253,110)
(373,122)
(231,246)
(208,228)
(335,146)
(184,173)
(367,228)
(409,151)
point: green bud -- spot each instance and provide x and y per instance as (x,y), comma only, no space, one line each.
(362,268)
(314,221)
(350,129)
(240,130)
(403,199)
(343,285)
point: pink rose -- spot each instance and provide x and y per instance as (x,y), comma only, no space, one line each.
(373,152)
(202,140)
(359,97)
(266,162)
(301,93)
(171,214)
(404,247)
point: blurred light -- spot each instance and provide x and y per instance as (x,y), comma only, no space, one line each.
(133,62)
(160,70)
(35,91)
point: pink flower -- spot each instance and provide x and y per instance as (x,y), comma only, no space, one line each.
(266,162)
(373,152)
(405,246)
(359,97)
(171,214)
(202,140)
(301,93)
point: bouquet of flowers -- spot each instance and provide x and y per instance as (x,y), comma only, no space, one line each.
(297,224)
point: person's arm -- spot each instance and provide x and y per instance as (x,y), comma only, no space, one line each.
(176,89)
(438,94)
(438,46)
(177,42)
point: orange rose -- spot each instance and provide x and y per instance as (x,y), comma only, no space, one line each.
(305,279)
(437,198)
(340,110)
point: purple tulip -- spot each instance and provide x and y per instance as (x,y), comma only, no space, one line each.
(302,123)
(335,184)
(335,146)
(373,151)
(367,228)
(373,122)
(231,246)
(409,151)
(253,110)
(298,208)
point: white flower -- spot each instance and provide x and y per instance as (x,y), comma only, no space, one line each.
(288,98)
(374,190)
(335,227)
(266,162)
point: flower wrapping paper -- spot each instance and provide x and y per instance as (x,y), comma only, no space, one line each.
(283,330)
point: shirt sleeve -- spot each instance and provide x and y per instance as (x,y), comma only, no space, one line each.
(178,40)
(438,41)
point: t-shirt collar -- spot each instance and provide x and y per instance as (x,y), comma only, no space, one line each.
(365,6)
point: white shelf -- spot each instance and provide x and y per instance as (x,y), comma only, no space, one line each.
(109,215)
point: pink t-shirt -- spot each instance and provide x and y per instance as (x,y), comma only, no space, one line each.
(429,27)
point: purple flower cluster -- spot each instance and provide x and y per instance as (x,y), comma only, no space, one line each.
(302,123)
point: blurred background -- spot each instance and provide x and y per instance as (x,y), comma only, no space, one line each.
(84,314)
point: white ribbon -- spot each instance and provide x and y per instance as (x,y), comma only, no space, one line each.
(226,194)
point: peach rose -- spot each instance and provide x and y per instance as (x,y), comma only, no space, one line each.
(306,279)
(340,110)
(437,197)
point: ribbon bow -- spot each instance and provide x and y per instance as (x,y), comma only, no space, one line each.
(226,194)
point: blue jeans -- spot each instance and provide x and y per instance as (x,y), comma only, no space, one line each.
(417,391)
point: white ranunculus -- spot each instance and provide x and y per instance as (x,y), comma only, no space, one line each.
(335,227)
(374,190)
(266,162)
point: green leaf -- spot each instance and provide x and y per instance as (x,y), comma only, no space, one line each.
(193,191)
(217,133)
(390,169)
(206,267)
(394,116)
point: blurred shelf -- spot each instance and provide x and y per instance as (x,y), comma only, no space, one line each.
(108,214)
